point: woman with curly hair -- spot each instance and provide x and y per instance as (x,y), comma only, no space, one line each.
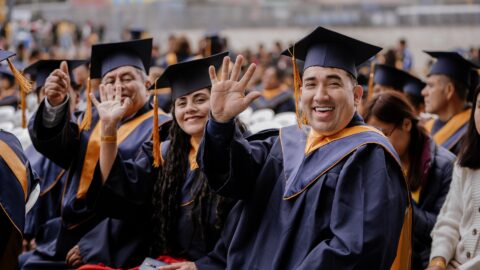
(185,215)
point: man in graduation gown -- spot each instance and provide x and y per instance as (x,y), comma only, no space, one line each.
(52,177)
(83,234)
(327,195)
(446,96)
(274,94)
(17,181)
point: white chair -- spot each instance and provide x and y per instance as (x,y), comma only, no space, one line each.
(7,126)
(286,119)
(245,115)
(261,116)
(6,113)
(257,127)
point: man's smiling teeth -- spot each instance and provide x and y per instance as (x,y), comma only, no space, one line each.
(323,109)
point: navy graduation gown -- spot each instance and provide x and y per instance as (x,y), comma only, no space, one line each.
(14,193)
(295,212)
(67,146)
(51,179)
(189,243)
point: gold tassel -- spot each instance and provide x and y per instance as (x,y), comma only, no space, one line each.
(155,133)
(25,88)
(297,83)
(87,117)
(370,81)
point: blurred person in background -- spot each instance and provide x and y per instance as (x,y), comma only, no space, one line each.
(446,95)
(8,88)
(275,95)
(427,166)
(456,232)
(404,55)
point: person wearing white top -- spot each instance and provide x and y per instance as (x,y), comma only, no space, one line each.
(457,230)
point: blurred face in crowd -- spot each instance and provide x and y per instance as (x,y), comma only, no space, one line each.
(5,83)
(269,79)
(81,74)
(397,134)
(328,99)
(191,112)
(434,93)
(134,84)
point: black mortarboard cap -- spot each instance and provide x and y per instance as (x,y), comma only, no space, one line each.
(42,69)
(187,77)
(326,48)
(413,85)
(452,65)
(389,76)
(4,55)
(109,56)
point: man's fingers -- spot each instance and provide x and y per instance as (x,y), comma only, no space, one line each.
(110,92)
(127,103)
(237,68)
(64,68)
(102,92)
(213,74)
(250,97)
(94,100)
(226,63)
(247,76)
(118,93)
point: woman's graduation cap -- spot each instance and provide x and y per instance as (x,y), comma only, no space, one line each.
(452,65)
(183,78)
(389,76)
(109,56)
(6,73)
(326,48)
(24,85)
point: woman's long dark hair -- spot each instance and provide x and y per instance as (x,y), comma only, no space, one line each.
(167,197)
(393,107)
(469,155)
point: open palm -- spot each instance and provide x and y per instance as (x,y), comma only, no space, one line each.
(228,97)
(110,108)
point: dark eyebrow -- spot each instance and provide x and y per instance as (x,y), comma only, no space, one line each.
(334,77)
(309,79)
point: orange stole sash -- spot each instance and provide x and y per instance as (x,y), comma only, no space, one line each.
(16,165)
(452,126)
(315,141)
(93,150)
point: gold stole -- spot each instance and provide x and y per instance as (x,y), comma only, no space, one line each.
(16,165)
(315,140)
(452,126)
(93,150)
(271,93)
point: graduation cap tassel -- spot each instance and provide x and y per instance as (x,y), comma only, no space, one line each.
(370,81)
(87,117)
(155,134)
(296,86)
(25,88)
